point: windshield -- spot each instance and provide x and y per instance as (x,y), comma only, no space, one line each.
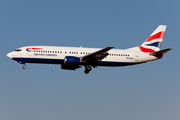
(17,50)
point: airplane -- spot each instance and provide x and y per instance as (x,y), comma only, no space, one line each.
(72,58)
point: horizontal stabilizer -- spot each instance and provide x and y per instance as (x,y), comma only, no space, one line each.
(160,52)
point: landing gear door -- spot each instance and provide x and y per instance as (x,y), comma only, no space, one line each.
(136,56)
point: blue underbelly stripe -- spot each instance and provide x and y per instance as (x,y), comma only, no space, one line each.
(40,60)
(61,61)
(107,63)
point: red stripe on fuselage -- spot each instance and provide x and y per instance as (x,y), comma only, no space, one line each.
(146,50)
(34,48)
(158,35)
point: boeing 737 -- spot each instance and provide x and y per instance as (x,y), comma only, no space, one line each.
(72,58)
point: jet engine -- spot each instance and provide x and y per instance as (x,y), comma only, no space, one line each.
(71,60)
(69,67)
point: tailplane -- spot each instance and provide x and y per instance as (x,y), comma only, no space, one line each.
(160,53)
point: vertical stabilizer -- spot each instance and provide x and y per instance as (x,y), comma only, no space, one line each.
(153,42)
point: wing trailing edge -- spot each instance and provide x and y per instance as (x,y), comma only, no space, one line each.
(98,55)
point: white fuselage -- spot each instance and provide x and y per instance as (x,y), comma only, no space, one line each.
(72,58)
(56,55)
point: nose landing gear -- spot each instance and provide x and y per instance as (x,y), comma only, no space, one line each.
(87,69)
(24,66)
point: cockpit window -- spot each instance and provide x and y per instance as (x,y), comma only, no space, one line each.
(17,50)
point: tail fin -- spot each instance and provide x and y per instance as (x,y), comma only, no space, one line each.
(153,42)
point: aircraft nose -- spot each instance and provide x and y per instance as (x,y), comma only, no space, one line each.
(9,55)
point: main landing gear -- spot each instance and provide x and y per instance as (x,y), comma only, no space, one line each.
(87,69)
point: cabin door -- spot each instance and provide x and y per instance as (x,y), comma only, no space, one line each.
(136,56)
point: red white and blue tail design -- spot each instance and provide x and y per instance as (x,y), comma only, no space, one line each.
(153,42)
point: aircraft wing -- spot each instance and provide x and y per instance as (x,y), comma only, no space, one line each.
(98,55)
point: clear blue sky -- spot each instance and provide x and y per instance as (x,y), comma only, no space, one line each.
(42,92)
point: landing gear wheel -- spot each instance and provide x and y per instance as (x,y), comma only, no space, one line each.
(24,67)
(88,69)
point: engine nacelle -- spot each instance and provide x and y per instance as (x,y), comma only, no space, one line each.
(69,67)
(71,60)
